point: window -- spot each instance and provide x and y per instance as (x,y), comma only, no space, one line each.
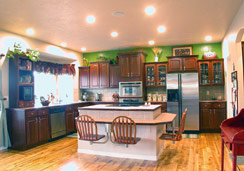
(61,86)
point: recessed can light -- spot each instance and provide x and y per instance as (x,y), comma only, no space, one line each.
(114,34)
(30,31)
(83,49)
(161,29)
(150,10)
(90,19)
(64,44)
(208,38)
(151,42)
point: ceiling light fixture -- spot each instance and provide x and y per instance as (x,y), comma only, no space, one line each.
(30,31)
(150,10)
(64,44)
(161,29)
(114,34)
(83,49)
(151,42)
(208,38)
(90,19)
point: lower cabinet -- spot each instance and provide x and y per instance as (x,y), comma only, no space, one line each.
(31,131)
(211,116)
(163,106)
(69,119)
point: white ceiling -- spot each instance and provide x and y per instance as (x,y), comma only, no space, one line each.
(56,21)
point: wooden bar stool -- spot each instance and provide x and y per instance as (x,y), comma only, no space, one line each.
(178,136)
(87,129)
(124,131)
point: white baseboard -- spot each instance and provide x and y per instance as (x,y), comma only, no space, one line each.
(3,148)
(121,155)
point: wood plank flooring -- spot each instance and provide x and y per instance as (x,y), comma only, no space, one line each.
(201,154)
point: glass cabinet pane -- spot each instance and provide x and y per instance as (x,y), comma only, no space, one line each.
(161,75)
(204,72)
(150,75)
(217,73)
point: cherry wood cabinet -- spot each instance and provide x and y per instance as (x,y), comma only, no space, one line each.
(211,72)
(114,76)
(70,118)
(99,74)
(31,131)
(43,128)
(182,63)
(131,65)
(84,77)
(155,74)
(211,116)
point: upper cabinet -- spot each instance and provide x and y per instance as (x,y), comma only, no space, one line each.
(84,75)
(21,82)
(211,72)
(99,74)
(114,75)
(182,63)
(155,74)
(131,65)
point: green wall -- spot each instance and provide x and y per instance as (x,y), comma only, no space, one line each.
(198,49)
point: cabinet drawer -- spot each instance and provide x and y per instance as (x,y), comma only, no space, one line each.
(206,105)
(30,113)
(219,105)
(69,108)
(43,112)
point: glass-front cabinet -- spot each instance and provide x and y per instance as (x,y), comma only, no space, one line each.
(211,72)
(156,74)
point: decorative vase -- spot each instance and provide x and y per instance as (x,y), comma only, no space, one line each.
(156,58)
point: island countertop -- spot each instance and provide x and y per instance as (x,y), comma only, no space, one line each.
(124,108)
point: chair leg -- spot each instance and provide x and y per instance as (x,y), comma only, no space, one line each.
(222,154)
(234,160)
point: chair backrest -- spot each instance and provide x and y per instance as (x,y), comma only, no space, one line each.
(182,126)
(124,130)
(86,128)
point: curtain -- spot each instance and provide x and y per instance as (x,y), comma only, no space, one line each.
(4,137)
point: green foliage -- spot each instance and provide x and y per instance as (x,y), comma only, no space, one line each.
(33,55)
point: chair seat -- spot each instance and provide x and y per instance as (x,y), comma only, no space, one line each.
(172,137)
(170,129)
(125,141)
(92,138)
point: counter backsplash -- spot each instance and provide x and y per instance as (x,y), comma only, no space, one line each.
(106,93)
(211,93)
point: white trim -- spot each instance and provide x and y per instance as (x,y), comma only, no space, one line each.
(3,148)
(121,155)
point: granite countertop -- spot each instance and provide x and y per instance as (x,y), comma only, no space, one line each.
(212,101)
(127,108)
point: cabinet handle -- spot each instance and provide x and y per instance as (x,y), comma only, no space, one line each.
(184,68)
(128,74)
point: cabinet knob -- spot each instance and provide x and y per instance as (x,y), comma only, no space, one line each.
(128,74)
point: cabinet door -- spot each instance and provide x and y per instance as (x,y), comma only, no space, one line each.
(217,73)
(84,76)
(174,64)
(150,75)
(219,115)
(204,75)
(124,66)
(104,75)
(135,66)
(114,75)
(70,122)
(31,130)
(94,75)
(206,117)
(190,64)
(43,128)
(161,71)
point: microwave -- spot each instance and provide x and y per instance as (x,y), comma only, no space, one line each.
(26,93)
(130,89)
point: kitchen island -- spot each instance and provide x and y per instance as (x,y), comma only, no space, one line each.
(150,125)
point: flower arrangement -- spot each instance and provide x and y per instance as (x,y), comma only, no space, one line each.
(115,96)
(33,55)
(157,52)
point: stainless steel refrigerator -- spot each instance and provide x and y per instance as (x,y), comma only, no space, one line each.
(183,92)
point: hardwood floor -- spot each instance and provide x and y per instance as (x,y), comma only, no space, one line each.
(187,155)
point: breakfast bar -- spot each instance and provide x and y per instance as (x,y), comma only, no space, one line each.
(150,124)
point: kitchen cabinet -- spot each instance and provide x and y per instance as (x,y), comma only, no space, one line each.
(21,82)
(211,116)
(156,74)
(163,106)
(99,74)
(84,77)
(182,63)
(70,119)
(131,65)
(211,72)
(114,76)
(31,131)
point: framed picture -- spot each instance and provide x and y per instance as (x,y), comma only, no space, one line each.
(234,93)
(182,51)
